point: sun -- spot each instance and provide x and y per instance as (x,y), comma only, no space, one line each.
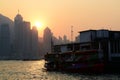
(38,24)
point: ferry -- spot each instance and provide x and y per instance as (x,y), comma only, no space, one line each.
(81,61)
(95,52)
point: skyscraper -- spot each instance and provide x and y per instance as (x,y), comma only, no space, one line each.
(4,41)
(35,54)
(26,40)
(47,40)
(18,30)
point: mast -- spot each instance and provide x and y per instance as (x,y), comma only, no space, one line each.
(71,34)
(72,38)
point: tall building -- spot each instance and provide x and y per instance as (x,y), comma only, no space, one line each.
(65,40)
(26,40)
(18,30)
(47,40)
(22,43)
(4,41)
(60,40)
(35,54)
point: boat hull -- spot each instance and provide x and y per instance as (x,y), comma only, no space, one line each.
(87,61)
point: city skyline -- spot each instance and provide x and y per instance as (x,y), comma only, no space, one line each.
(59,16)
(19,41)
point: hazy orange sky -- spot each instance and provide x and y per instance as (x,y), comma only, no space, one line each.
(60,15)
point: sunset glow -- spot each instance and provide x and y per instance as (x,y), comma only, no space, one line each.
(59,15)
(38,24)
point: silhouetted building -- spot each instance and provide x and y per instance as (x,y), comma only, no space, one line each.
(4,19)
(23,38)
(60,40)
(109,42)
(26,40)
(47,40)
(4,41)
(34,49)
(18,30)
(65,40)
(40,47)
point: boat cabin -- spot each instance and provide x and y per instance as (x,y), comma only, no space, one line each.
(105,40)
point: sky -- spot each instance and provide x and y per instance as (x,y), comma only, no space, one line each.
(60,15)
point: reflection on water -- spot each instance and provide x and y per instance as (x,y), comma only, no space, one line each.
(33,70)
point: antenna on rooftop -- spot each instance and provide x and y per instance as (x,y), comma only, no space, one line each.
(72,38)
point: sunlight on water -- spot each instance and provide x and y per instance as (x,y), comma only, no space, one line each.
(33,70)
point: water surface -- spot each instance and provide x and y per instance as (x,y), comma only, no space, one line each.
(33,70)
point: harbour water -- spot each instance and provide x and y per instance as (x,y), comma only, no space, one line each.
(34,70)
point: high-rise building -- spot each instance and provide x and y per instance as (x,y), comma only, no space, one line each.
(4,41)
(35,54)
(26,40)
(18,41)
(47,40)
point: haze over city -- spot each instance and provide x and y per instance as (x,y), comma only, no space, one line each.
(59,39)
(60,15)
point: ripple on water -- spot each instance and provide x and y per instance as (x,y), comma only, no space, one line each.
(33,70)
